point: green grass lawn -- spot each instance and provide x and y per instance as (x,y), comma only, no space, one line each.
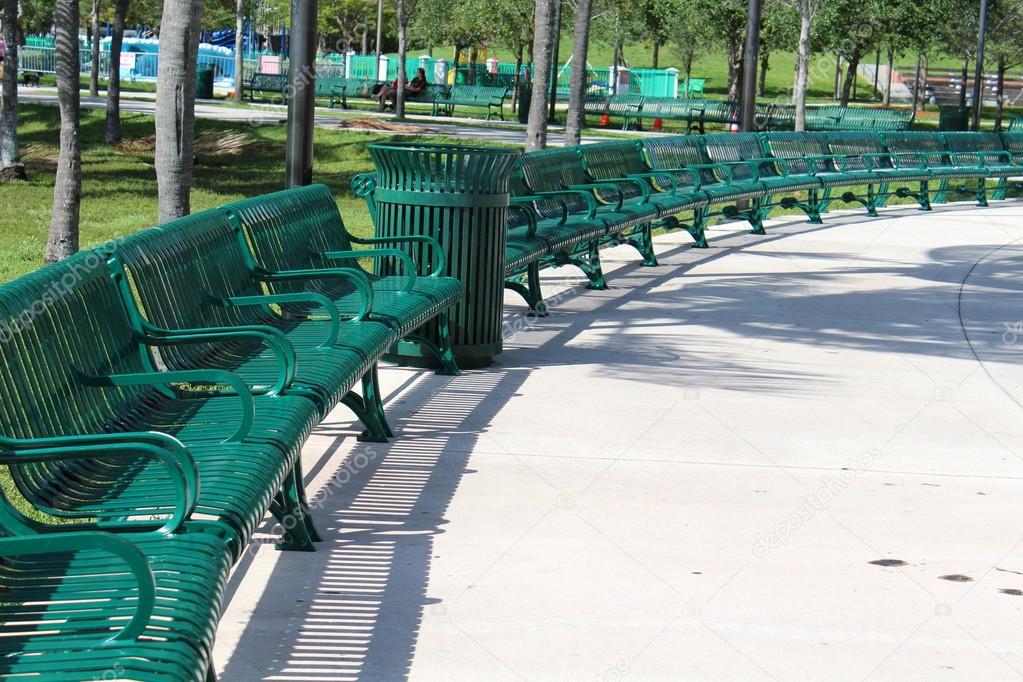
(119,189)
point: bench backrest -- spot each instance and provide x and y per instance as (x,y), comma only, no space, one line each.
(904,144)
(176,270)
(975,142)
(854,144)
(738,147)
(615,159)
(269,82)
(794,146)
(1012,142)
(287,230)
(477,93)
(554,169)
(678,151)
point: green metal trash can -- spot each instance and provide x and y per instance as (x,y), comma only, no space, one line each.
(953,118)
(459,196)
(204,82)
(525,99)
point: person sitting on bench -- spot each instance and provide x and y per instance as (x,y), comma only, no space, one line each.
(413,87)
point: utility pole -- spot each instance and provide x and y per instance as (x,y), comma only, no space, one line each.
(978,78)
(749,70)
(301,94)
(380,27)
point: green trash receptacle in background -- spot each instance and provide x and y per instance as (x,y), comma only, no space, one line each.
(459,196)
(953,118)
(204,82)
(525,99)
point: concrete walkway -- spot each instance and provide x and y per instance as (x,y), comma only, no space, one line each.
(792,457)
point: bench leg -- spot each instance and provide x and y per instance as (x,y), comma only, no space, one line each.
(697,230)
(529,290)
(307,516)
(1000,189)
(941,196)
(589,263)
(211,672)
(287,508)
(643,241)
(443,351)
(868,202)
(882,195)
(756,216)
(368,413)
(982,192)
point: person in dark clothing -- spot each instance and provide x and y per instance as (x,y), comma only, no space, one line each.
(413,87)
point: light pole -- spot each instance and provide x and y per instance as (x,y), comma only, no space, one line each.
(749,69)
(978,77)
(301,94)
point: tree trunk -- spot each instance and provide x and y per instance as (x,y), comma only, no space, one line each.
(62,240)
(838,76)
(802,65)
(965,75)
(576,118)
(1000,93)
(470,76)
(239,51)
(765,58)
(10,161)
(114,77)
(888,81)
(518,78)
(916,80)
(850,76)
(175,106)
(657,53)
(543,36)
(399,96)
(365,40)
(734,54)
(94,68)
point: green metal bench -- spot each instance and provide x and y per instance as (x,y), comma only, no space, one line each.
(195,274)
(301,230)
(484,96)
(626,106)
(272,83)
(120,566)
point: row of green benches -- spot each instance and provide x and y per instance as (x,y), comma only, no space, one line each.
(633,109)
(338,90)
(568,203)
(157,392)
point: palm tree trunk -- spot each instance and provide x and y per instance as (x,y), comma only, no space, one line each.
(94,69)
(657,53)
(114,77)
(11,167)
(175,106)
(239,48)
(399,96)
(802,64)
(543,37)
(577,79)
(964,75)
(62,240)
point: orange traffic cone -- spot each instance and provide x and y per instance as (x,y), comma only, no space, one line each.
(604,120)
(658,124)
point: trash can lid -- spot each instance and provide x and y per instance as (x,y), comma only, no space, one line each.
(450,169)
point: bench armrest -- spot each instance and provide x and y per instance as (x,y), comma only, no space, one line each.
(154,445)
(356,277)
(644,187)
(693,173)
(283,299)
(273,338)
(602,185)
(525,206)
(840,160)
(125,551)
(409,265)
(440,263)
(591,201)
(727,168)
(188,376)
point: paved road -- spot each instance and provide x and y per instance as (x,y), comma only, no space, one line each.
(269,114)
(791,457)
